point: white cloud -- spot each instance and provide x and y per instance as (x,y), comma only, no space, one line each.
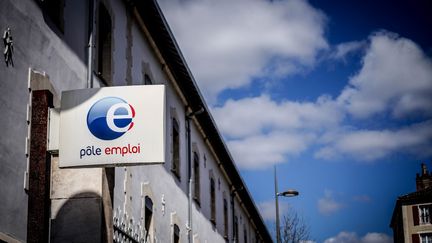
(376,238)
(250,116)
(227,43)
(396,77)
(263,132)
(328,204)
(369,145)
(264,150)
(351,237)
(268,210)
(342,50)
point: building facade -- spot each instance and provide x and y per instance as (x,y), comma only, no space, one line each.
(412,215)
(51,46)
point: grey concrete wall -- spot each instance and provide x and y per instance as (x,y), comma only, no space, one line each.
(36,46)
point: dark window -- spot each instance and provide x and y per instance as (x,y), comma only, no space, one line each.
(236,229)
(426,238)
(196,166)
(176,148)
(245,234)
(225,212)
(424,214)
(54,9)
(104,45)
(147,80)
(212,201)
(176,234)
(148,215)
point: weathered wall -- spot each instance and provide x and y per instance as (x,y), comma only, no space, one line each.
(36,46)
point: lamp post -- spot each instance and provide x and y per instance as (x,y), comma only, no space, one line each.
(288,193)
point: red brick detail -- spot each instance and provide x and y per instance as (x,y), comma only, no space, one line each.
(39,171)
(416,217)
(415,238)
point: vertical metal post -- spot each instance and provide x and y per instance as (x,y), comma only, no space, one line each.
(92,14)
(188,118)
(277,207)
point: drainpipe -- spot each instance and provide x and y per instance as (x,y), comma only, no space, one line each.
(90,46)
(233,215)
(189,117)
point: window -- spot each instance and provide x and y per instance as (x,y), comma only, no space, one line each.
(176,234)
(147,80)
(175,167)
(225,213)
(148,215)
(236,229)
(212,201)
(244,234)
(55,11)
(424,214)
(196,167)
(104,45)
(426,238)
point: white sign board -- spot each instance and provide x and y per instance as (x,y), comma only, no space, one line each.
(112,126)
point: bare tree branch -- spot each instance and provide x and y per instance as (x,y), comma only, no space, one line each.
(294,229)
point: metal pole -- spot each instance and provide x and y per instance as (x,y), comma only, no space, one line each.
(277,207)
(91,44)
(188,118)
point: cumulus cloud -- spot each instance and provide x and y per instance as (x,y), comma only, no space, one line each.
(268,210)
(227,43)
(328,204)
(396,77)
(383,87)
(351,237)
(249,116)
(263,132)
(341,51)
(369,145)
(264,150)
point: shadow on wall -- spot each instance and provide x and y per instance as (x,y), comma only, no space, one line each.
(78,219)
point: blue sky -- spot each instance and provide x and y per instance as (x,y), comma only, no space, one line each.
(336,94)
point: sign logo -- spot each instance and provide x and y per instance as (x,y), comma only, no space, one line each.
(109,118)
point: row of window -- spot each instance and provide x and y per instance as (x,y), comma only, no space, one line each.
(175,168)
(148,223)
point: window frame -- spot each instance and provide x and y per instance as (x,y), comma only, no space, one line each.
(424,214)
(212,200)
(148,223)
(197,187)
(425,238)
(175,143)
(176,234)
(225,214)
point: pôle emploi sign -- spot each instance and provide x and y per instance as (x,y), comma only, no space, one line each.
(112,126)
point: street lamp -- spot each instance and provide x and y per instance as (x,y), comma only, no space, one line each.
(288,193)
